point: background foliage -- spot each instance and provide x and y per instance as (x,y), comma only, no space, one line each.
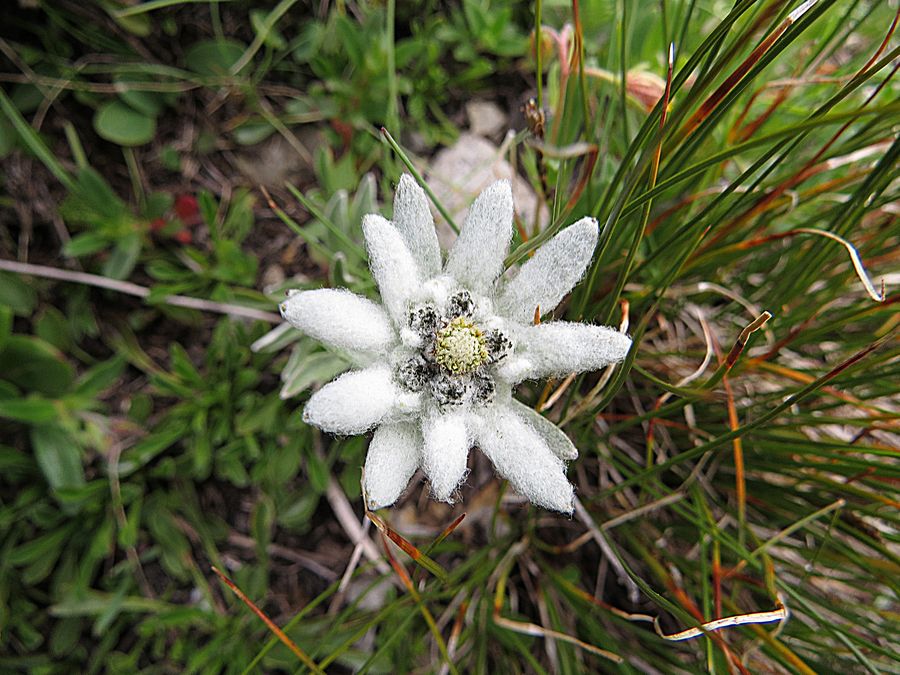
(199,158)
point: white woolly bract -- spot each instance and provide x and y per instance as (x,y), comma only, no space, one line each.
(476,259)
(392,265)
(393,457)
(558,348)
(340,319)
(357,401)
(445,451)
(555,438)
(520,455)
(554,269)
(414,222)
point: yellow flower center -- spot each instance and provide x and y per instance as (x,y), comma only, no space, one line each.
(460,346)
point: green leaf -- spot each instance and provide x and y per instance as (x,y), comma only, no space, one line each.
(58,455)
(16,294)
(240,218)
(119,123)
(148,103)
(272,38)
(182,365)
(8,137)
(318,473)
(93,202)
(33,365)
(234,265)
(260,417)
(101,377)
(282,463)
(40,569)
(304,371)
(27,97)
(297,515)
(201,455)
(214,57)
(308,43)
(85,244)
(128,534)
(137,24)
(31,410)
(46,546)
(124,257)
(65,636)
(262,522)
(93,603)
(353,40)
(157,204)
(164,436)
(31,138)
(15,464)
(170,159)
(53,327)
(229,465)
(208,207)
(6,323)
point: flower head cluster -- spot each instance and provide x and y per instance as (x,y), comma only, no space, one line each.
(438,358)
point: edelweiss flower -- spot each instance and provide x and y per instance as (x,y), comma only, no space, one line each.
(438,359)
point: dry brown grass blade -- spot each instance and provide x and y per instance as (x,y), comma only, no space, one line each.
(426,614)
(706,628)
(811,167)
(129,288)
(532,629)
(272,626)
(408,547)
(779,614)
(737,446)
(714,99)
(557,394)
(654,170)
(527,628)
(589,151)
(742,132)
(447,531)
(455,632)
(805,378)
(855,258)
(740,485)
(741,342)
(685,600)
(586,170)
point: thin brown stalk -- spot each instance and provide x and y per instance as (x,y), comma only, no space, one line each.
(713,101)
(741,342)
(809,169)
(528,628)
(129,288)
(417,598)
(280,634)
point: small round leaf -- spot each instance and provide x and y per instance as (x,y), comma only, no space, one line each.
(214,57)
(117,122)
